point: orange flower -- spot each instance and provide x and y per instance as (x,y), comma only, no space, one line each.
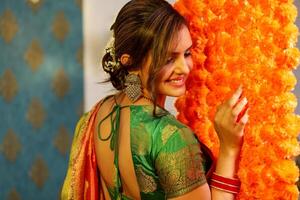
(285,13)
(250,43)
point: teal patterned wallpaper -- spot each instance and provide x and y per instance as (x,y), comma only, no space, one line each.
(41,94)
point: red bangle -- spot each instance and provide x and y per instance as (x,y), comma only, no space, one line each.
(231,185)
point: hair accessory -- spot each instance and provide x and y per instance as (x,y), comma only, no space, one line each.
(113,64)
(133,87)
(230,185)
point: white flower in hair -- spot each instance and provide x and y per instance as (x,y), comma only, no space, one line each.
(114,64)
(110,43)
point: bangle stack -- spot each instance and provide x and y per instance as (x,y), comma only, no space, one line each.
(230,185)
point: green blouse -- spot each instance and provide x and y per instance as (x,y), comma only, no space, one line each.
(167,158)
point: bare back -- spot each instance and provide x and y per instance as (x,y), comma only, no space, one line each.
(155,157)
(105,156)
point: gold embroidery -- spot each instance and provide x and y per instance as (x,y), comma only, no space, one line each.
(147,109)
(159,110)
(179,171)
(146,182)
(187,135)
(81,127)
(167,132)
(140,139)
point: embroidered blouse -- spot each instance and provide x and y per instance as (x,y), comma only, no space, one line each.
(167,157)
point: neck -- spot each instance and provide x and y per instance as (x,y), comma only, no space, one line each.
(160,98)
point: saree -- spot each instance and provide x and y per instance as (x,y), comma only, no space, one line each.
(82,179)
(157,140)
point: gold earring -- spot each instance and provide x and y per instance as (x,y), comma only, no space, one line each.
(133,87)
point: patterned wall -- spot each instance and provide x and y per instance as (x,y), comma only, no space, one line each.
(40,94)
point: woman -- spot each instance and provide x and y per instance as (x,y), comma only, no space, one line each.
(129,146)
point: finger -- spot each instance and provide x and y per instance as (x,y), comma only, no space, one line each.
(245,118)
(235,97)
(240,106)
(242,122)
(241,114)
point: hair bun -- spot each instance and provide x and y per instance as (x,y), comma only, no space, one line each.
(117,78)
(107,63)
(114,68)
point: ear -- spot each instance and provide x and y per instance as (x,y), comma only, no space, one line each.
(125,59)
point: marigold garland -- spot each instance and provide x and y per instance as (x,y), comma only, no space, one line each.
(250,43)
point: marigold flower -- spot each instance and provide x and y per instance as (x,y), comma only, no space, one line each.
(250,43)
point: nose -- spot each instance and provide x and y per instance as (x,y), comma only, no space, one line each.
(183,65)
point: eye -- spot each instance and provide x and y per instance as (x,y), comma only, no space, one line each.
(170,60)
(187,53)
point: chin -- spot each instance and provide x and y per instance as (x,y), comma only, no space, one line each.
(177,92)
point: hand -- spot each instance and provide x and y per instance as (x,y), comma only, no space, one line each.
(230,120)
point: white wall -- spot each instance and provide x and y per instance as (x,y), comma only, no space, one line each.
(98,16)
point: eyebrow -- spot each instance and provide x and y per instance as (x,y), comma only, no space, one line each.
(174,52)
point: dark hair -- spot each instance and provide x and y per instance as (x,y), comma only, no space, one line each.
(143,28)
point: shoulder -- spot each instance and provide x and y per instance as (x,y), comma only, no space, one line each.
(103,103)
(173,136)
(170,128)
(178,159)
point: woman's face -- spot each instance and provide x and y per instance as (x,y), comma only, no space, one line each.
(171,79)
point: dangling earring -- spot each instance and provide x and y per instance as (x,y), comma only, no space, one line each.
(133,87)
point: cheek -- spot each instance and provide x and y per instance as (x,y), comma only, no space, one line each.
(190,63)
(165,73)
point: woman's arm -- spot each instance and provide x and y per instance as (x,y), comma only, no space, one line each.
(230,120)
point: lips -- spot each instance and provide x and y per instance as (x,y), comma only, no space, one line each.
(178,81)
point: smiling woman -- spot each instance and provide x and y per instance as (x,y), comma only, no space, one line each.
(98,16)
(129,145)
(179,62)
(171,77)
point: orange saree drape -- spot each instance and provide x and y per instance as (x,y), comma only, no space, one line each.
(82,180)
